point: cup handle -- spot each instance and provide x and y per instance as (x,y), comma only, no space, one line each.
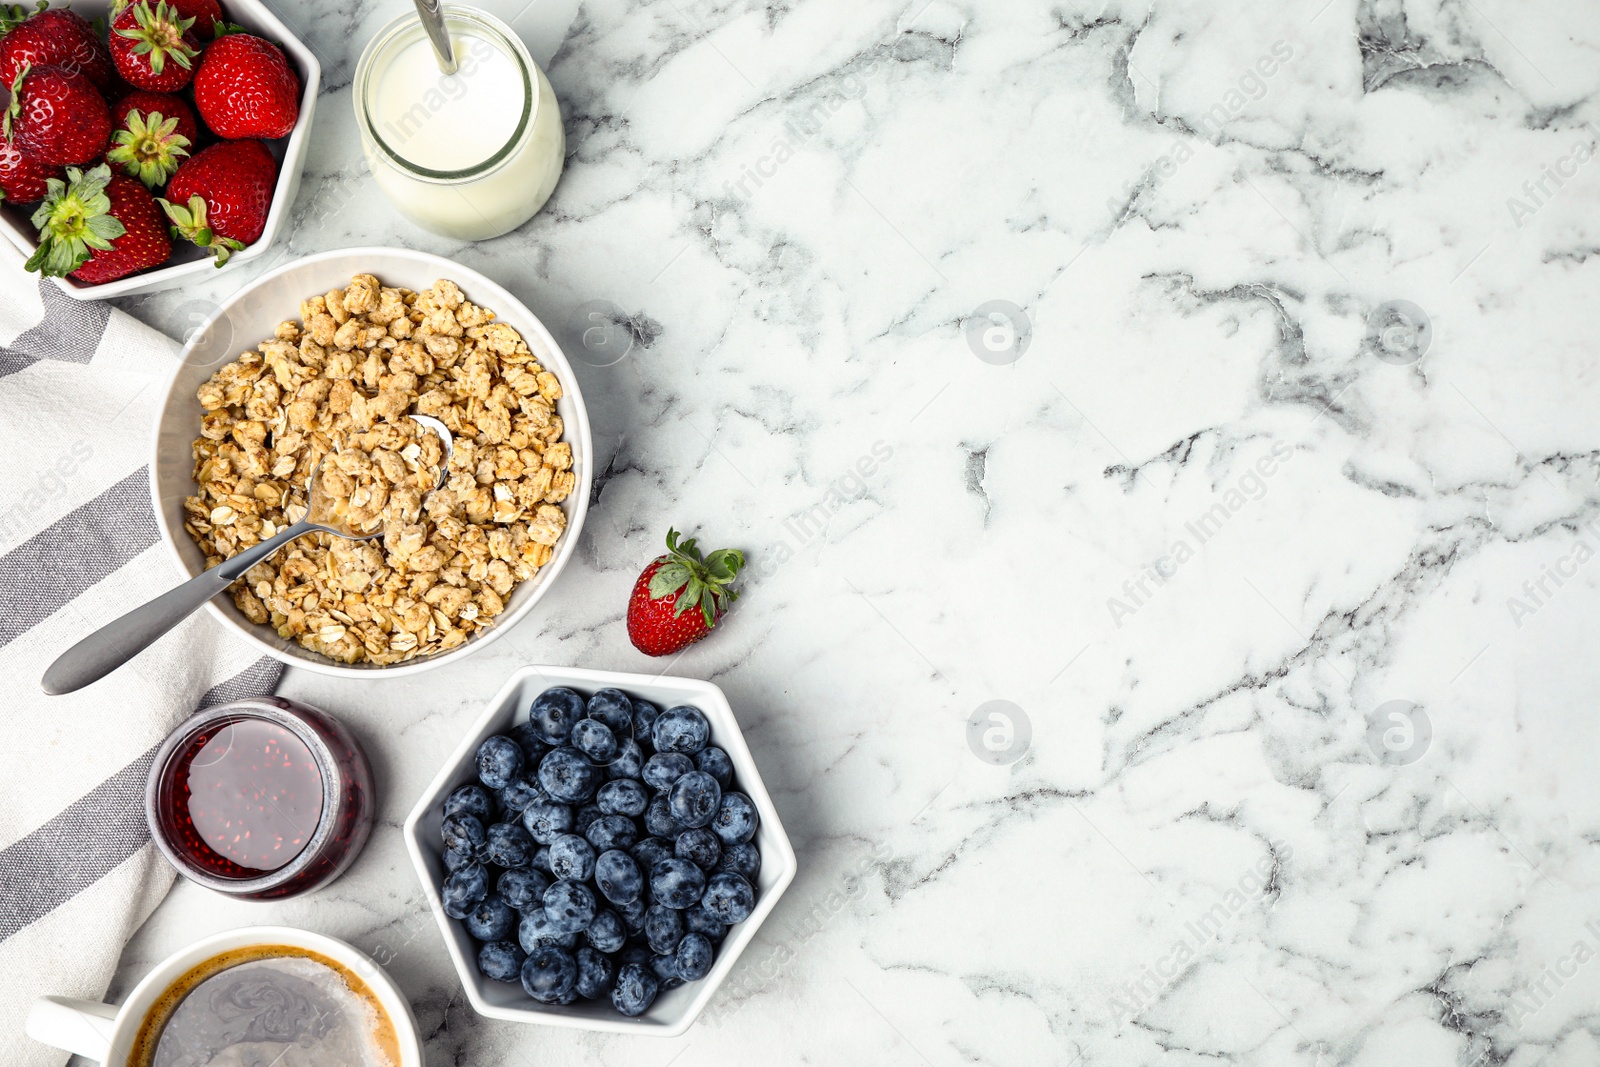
(80,1026)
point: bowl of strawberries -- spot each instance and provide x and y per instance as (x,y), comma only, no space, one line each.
(143,142)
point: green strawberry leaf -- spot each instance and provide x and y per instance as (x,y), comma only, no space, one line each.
(687,598)
(668,580)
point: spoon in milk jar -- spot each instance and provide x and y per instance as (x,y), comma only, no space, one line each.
(327,511)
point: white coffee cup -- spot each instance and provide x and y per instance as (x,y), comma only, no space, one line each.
(105,1033)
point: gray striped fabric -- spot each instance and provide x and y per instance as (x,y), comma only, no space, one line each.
(77,871)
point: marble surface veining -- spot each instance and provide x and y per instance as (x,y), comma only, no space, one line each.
(1267,512)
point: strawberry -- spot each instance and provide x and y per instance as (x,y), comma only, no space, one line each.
(660,621)
(153,47)
(244,88)
(97,228)
(220,198)
(52,39)
(153,132)
(207,14)
(57,116)
(22,179)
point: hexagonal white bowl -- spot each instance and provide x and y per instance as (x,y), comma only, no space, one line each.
(189,260)
(674,1010)
(249,317)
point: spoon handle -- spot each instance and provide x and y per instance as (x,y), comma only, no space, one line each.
(433,21)
(120,640)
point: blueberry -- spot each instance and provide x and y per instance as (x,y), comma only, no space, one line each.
(612,707)
(697,920)
(633,914)
(663,928)
(500,761)
(534,931)
(694,957)
(645,715)
(735,821)
(526,735)
(729,898)
(635,990)
(469,800)
(549,974)
(492,919)
(509,846)
(464,888)
(553,713)
(607,932)
(463,832)
(700,847)
(618,878)
(677,883)
(567,776)
(658,819)
(523,889)
(664,768)
(501,961)
(742,859)
(623,797)
(570,906)
(595,972)
(613,831)
(635,952)
(681,729)
(457,858)
(629,762)
(596,741)
(694,799)
(547,820)
(572,857)
(716,763)
(516,797)
(665,968)
(650,851)
(585,818)
(541,860)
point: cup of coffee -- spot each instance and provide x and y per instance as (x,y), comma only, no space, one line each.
(259,995)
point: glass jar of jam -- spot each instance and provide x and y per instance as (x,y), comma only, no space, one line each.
(260,799)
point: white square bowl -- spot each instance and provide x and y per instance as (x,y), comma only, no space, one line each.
(674,1010)
(188,259)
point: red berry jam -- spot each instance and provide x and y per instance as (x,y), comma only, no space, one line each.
(261,799)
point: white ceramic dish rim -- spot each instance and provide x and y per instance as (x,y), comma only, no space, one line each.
(112,1028)
(482,290)
(774,843)
(256,17)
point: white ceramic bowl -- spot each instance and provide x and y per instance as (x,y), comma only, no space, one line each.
(187,259)
(249,317)
(674,1010)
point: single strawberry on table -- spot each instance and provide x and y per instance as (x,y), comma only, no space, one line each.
(151,135)
(679,597)
(154,47)
(57,116)
(245,88)
(22,179)
(219,199)
(52,38)
(98,227)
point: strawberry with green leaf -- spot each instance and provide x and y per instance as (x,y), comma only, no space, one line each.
(152,136)
(98,227)
(154,47)
(680,596)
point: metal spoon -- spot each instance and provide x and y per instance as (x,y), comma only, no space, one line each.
(433,21)
(119,641)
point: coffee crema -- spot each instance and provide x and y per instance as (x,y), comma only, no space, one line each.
(262,1005)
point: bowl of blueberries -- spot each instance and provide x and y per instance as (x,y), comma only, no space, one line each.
(599,850)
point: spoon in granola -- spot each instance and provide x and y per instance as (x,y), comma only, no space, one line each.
(334,505)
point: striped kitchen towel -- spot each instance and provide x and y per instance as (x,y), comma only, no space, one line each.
(80,385)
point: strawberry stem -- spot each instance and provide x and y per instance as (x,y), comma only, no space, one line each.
(74,222)
(693,580)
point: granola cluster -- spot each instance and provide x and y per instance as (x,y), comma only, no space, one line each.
(376,479)
(344,379)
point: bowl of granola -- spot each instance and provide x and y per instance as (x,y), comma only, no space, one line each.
(329,357)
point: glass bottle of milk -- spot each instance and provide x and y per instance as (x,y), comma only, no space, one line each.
(469,155)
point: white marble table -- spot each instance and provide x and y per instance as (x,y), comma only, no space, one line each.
(1203,533)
